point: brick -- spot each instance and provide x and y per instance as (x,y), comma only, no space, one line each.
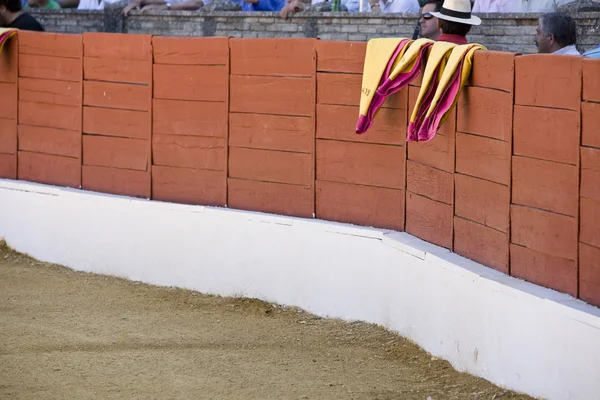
(547,134)
(485,112)
(45,67)
(482,201)
(189,118)
(9,61)
(50,44)
(276,198)
(340,56)
(117,46)
(429,182)
(589,274)
(289,57)
(8,166)
(545,184)
(543,231)
(124,71)
(124,182)
(543,83)
(117,95)
(189,186)
(590,124)
(438,153)
(339,122)
(589,229)
(481,244)
(591,86)
(191,51)
(189,152)
(494,70)
(49,169)
(58,142)
(272,132)
(8,136)
(50,91)
(8,100)
(104,151)
(271,166)
(191,82)
(429,220)
(483,158)
(360,163)
(272,95)
(50,115)
(360,205)
(543,269)
(113,122)
(590,173)
(339,89)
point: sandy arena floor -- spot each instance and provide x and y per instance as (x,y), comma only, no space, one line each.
(71,335)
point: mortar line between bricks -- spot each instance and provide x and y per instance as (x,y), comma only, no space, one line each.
(48,154)
(351,141)
(275,182)
(539,251)
(481,136)
(544,159)
(544,210)
(361,184)
(50,127)
(273,150)
(479,223)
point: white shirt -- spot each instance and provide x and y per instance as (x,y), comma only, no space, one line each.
(94,4)
(517,6)
(400,6)
(351,5)
(568,51)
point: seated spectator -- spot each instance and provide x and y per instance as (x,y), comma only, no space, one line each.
(86,4)
(595,53)
(556,33)
(518,6)
(455,21)
(176,5)
(394,6)
(13,16)
(294,6)
(47,4)
(429,28)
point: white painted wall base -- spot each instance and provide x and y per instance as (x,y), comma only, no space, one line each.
(513,333)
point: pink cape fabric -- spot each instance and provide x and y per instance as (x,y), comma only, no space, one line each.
(387,87)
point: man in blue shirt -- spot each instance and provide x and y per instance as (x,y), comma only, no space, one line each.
(263,5)
(595,53)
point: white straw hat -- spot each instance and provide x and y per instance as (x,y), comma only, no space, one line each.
(457,11)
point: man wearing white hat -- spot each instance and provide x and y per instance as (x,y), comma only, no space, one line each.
(455,21)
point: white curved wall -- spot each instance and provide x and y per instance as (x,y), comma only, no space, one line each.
(513,333)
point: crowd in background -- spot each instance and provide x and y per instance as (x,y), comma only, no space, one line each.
(442,20)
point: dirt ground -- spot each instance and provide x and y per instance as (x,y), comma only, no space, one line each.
(71,335)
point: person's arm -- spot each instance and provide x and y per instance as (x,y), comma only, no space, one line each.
(292,7)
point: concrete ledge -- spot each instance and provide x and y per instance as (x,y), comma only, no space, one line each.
(513,333)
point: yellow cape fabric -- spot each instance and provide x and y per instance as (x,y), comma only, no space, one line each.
(406,61)
(379,52)
(439,54)
(460,54)
(5,34)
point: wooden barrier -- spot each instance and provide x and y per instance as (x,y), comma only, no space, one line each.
(511,180)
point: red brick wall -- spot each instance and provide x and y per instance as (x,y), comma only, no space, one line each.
(117,95)
(512,180)
(360,178)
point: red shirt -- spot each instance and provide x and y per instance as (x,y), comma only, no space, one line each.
(456,39)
